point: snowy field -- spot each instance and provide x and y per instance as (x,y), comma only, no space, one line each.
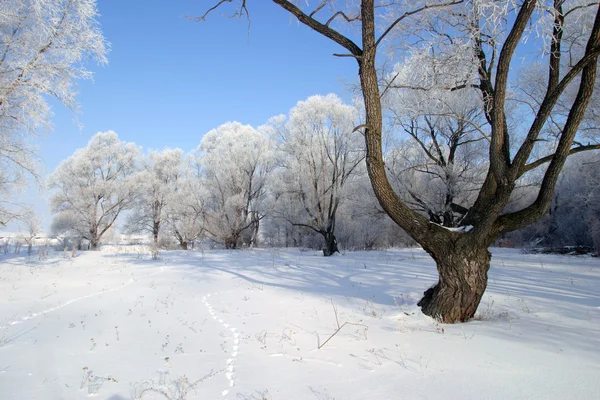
(258,324)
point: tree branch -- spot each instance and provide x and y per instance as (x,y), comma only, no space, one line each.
(499,145)
(547,106)
(538,208)
(243,10)
(348,19)
(548,158)
(413,12)
(320,28)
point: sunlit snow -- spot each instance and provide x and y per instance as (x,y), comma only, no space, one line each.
(248,324)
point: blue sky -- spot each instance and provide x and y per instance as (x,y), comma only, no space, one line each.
(170,80)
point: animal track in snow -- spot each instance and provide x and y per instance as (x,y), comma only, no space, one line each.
(230,369)
(66,303)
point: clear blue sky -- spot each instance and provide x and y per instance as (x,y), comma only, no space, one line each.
(170,80)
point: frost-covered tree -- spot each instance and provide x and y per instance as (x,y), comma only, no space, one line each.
(491,33)
(159,181)
(94,185)
(319,153)
(32,225)
(437,144)
(574,217)
(69,229)
(576,205)
(185,210)
(43,49)
(235,160)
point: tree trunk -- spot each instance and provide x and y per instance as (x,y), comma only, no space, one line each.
(231,243)
(155,230)
(463,279)
(94,244)
(184,245)
(330,244)
(255,228)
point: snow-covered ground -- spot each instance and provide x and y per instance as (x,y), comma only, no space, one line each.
(258,324)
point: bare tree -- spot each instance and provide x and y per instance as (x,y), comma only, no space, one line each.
(492,31)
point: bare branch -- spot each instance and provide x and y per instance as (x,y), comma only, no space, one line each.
(348,19)
(547,106)
(413,12)
(243,10)
(319,8)
(346,55)
(548,158)
(320,28)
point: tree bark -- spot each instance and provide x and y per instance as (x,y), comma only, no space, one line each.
(155,230)
(330,244)
(462,281)
(184,245)
(255,227)
(231,243)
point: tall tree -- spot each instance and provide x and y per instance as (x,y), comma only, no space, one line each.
(94,185)
(319,152)
(235,160)
(185,210)
(43,48)
(491,32)
(159,180)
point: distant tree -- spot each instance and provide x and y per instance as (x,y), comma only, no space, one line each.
(33,227)
(574,217)
(488,34)
(362,224)
(69,229)
(43,47)
(185,211)
(94,185)
(234,160)
(159,180)
(319,153)
(437,154)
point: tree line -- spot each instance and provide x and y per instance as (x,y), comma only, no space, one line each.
(300,180)
(297,180)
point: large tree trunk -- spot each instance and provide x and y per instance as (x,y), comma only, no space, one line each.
(183,244)
(231,243)
(330,246)
(94,242)
(463,279)
(462,264)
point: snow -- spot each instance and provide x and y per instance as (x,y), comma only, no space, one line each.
(248,324)
(466,228)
